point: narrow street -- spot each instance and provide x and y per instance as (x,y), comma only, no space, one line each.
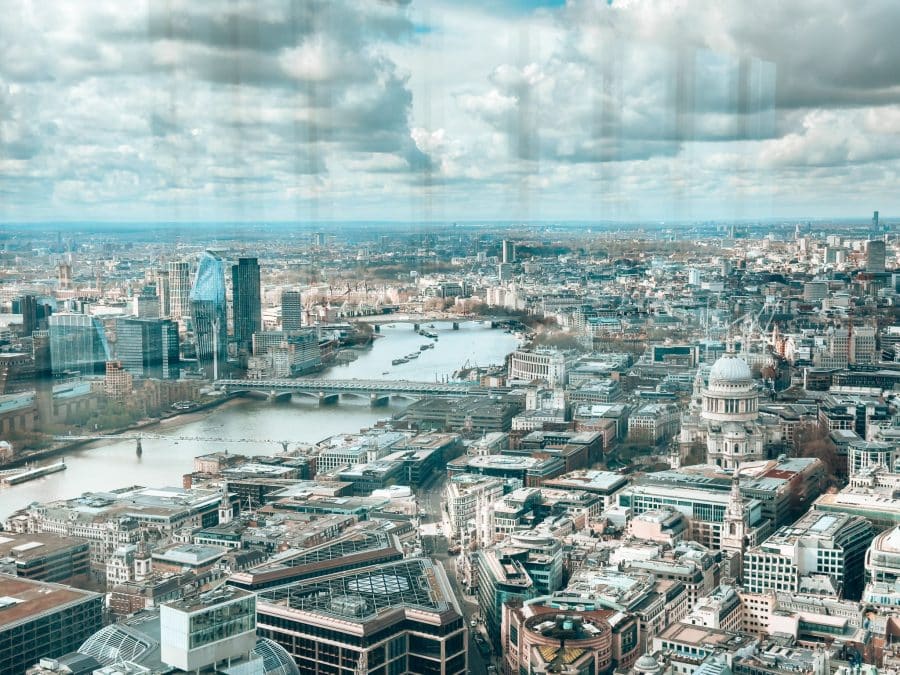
(435,546)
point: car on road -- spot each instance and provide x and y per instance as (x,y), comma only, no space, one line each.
(482,644)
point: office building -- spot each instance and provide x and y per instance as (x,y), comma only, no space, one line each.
(209,312)
(820,554)
(499,580)
(398,617)
(164,293)
(547,365)
(44,557)
(179,273)
(508,253)
(213,632)
(469,498)
(247,303)
(705,510)
(78,345)
(40,619)
(541,639)
(29,310)
(207,629)
(875,256)
(291,310)
(148,347)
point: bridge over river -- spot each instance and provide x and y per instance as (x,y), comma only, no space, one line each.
(378,391)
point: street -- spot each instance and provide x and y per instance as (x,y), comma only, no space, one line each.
(435,546)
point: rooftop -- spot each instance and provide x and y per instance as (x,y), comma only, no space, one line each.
(23,600)
(361,595)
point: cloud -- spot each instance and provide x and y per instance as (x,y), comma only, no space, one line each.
(379,108)
(246,97)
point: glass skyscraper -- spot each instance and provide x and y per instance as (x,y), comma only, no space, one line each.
(77,344)
(247,302)
(209,312)
(148,347)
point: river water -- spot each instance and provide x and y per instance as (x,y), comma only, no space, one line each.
(114,464)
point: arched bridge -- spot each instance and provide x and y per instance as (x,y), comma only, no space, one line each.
(328,391)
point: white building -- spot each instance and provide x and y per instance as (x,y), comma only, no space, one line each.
(529,365)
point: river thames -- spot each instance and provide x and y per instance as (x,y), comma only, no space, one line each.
(114,464)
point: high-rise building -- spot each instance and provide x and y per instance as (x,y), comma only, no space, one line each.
(247,303)
(508,253)
(208,310)
(875,256)
(291,310)
(77,344)
(146,304)
(179,289)
(163,292)
(28,308)
(148,347)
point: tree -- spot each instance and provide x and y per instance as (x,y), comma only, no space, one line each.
(811,440)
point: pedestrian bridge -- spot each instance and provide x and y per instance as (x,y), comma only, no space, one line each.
(379,391)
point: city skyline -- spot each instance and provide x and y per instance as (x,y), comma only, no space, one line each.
(442,111)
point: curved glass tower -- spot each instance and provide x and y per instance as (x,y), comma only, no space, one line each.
(209,313)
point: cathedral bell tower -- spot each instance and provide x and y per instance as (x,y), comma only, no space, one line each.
(734,527)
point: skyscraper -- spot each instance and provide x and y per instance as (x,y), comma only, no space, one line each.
(77,344)
(508,254)
(291,310)
(875,256)
(208,310)
(163,293)
(247,303)
(28,308)
(148,347)
(179,289)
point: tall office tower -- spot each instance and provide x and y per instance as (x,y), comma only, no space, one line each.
(247,302)
(875,229)
(179,289)
(65,276)
(43,377)
(291,310)
(77,345)
(319,239)
(875,256)
(508,254)
(28,308)
(148,347)
(208,310)
(146,304)
(163,292)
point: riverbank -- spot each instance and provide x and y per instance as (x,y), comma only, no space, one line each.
(172,420)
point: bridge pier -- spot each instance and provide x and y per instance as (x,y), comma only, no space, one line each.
(278,396)
(456,325)
(328,399)
(379,400)
(415,327)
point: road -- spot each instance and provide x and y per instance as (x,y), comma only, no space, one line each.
(431,499)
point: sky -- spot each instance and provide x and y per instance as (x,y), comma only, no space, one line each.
(448,110)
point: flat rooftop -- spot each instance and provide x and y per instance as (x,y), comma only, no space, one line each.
(23,600)
(362,595)
(23,547)
(220,595)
